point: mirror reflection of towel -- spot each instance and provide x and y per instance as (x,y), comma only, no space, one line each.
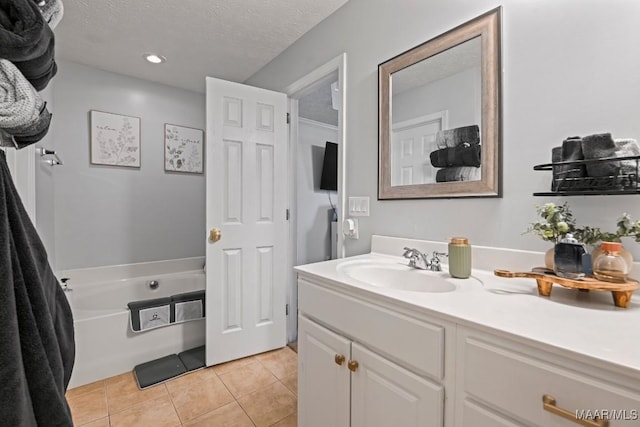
(454,137)
(462,155)
(458,173)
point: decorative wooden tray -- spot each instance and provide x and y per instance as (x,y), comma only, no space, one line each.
(621,291)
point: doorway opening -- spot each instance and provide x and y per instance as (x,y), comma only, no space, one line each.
(317,107)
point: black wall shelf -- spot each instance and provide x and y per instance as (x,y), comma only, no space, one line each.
(623,180)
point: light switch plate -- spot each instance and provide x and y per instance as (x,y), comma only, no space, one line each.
(358,206)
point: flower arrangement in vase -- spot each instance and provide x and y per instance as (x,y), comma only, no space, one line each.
(556,222)
(625,227)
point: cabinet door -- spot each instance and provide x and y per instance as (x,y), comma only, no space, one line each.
(323,384)
(385,394)
(477,416)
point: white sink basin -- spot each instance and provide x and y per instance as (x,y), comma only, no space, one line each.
(396,276)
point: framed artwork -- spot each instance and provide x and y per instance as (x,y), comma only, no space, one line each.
(115,139)
(183,149)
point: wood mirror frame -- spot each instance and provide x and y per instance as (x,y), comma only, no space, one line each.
(487,27)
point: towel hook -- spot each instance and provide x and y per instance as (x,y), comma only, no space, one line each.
(52,162)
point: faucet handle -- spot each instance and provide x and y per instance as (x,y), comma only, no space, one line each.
(409,252)
(434,264)
(412,255)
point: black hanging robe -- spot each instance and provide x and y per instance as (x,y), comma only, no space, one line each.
(37,348)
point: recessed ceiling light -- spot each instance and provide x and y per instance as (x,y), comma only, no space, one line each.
(154,59)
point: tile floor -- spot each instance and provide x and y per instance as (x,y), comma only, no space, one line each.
(256,391)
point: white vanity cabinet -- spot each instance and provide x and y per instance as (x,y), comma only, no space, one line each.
(490,353)
(501,382)
(323,377)
(357,369)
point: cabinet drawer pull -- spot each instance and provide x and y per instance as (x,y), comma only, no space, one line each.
(339,359)
(549,404)
(352,365)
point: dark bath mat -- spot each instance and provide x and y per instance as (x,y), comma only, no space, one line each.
(159,370)
(193,358)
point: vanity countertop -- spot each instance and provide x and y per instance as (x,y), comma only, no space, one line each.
(585,324)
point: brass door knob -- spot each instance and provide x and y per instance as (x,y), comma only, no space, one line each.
(214,235)
(352,365)
(339,359)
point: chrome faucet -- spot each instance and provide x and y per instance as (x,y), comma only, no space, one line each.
(419,260)
(416,258)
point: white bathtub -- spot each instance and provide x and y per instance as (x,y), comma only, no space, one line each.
(105,344)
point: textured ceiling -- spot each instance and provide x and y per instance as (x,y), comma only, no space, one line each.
(220,38)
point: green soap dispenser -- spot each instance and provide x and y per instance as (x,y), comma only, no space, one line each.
(459,257)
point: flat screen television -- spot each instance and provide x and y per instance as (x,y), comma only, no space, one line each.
(329,179)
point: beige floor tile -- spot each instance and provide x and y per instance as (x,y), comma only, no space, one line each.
(230,415)
(282,362)
(229,366)
(290,421)
(188,379)
(102,422)
(123,392)
(151,413)
(88,406)
(269,404)
(291,382)
(247,379)
(87,388)
(194,395)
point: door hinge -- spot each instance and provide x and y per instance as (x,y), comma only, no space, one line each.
(286,309)
(288,118)
(288,215)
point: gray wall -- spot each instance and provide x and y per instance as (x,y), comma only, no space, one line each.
(568,69)
(106,215)
(313,207)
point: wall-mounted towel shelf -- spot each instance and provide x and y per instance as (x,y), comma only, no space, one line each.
(565,182)
(52,158)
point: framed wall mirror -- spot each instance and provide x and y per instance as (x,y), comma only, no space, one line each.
(439,116)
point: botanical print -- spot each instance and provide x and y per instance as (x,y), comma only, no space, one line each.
(115,139)
(183,148)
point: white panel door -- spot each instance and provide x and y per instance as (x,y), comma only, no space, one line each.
(384,394)
(411,145)
(246,202)
(323,383)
